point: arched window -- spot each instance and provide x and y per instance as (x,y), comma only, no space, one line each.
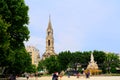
(48,42)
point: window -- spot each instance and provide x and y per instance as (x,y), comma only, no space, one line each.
(48,42)
(48,33)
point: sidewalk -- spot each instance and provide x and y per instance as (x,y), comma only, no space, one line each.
(74,78)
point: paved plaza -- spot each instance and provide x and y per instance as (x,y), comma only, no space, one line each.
(74,78)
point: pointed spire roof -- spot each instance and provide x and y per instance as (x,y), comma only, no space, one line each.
(92,57)
(49,24)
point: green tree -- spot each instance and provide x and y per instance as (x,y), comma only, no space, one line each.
(41,66)
(31,69)
(112,62)
(52,64)
(4,44)
(85,58)
(64,59)
(15,12)
(76,59)
(99,57)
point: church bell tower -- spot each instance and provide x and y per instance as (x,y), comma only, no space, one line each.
(49,41)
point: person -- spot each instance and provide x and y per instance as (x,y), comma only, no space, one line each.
(61,74)
(78,75)
(27,76)
(82,71)
(68,74)
(36,76)
(55,76)
(12,77)
(87,74)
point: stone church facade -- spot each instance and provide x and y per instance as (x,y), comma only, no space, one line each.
(34,53)
(49,42)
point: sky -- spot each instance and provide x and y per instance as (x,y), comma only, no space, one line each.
(78,25)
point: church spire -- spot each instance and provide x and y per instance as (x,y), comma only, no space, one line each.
(49,41)
(49,23)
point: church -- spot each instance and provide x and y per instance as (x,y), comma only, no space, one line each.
(34,53)
(49,41)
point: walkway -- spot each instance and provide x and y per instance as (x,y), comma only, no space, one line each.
(74,78)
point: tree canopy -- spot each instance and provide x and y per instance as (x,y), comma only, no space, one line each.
(52,64)
(13,32)
(4,42)
(71,60)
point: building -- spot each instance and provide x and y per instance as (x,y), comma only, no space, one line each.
(34,53)
(49,42)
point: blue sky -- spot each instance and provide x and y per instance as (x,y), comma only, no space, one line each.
(79,25)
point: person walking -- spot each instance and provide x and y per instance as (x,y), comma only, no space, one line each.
(87,74)
(27,76)
(55,76)
(61,75)
(36,76)
(68,74)
(78,75)
(12,77)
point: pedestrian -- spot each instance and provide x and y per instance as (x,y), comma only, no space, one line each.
(78,75)
(55,76)
(12,77)
(36,76)
(87,74)
(68,74)
(27,76)
(61,74)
